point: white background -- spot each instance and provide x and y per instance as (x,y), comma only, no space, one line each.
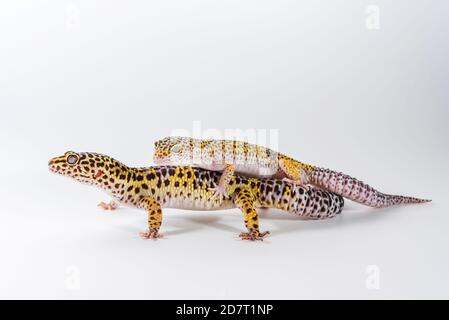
(114,76)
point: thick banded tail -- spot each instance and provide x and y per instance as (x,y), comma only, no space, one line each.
(356,190)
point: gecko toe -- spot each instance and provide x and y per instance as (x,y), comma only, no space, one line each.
(252,237)
(152,234)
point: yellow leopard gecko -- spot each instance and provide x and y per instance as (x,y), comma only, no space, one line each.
(186,187)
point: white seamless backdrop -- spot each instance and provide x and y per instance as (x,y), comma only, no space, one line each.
(357,86)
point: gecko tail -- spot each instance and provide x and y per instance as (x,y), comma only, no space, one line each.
(356,190)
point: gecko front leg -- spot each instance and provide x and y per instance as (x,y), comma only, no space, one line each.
(112,205)
(246,202)
(225,178)
(154,218)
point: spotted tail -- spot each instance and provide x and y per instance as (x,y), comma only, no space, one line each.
(356,190)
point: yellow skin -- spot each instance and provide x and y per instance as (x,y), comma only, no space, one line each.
(185,187)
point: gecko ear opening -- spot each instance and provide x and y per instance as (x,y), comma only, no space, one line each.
(99,173)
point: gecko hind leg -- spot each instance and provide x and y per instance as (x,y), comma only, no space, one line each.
(294,172)
(245,201)
(112,205)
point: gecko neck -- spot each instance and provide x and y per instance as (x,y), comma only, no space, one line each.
(116,178)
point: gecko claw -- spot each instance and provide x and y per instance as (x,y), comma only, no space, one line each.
(151,234)
(252,237)
(304,178)
(219,191)
(295,182)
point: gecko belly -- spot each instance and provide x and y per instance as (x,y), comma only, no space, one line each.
(256,170)
(198,204)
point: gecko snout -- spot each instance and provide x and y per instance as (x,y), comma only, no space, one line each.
(52,165)
(60,164)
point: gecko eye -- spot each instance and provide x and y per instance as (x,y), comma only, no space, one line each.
(176,148)
(72,159)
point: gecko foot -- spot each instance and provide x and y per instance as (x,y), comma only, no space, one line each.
(305,179)
(219,191)
(108,206)
(151,234)
(295,182)
(251,237)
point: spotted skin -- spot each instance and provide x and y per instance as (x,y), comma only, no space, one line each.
(246,158)
(245,201)
(154,217)
(256,161)
(185,187)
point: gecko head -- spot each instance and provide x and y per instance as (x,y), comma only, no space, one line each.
(85,167)
(174,151)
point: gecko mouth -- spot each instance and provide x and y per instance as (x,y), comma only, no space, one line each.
(54,170)
(55,167)
(52,167)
